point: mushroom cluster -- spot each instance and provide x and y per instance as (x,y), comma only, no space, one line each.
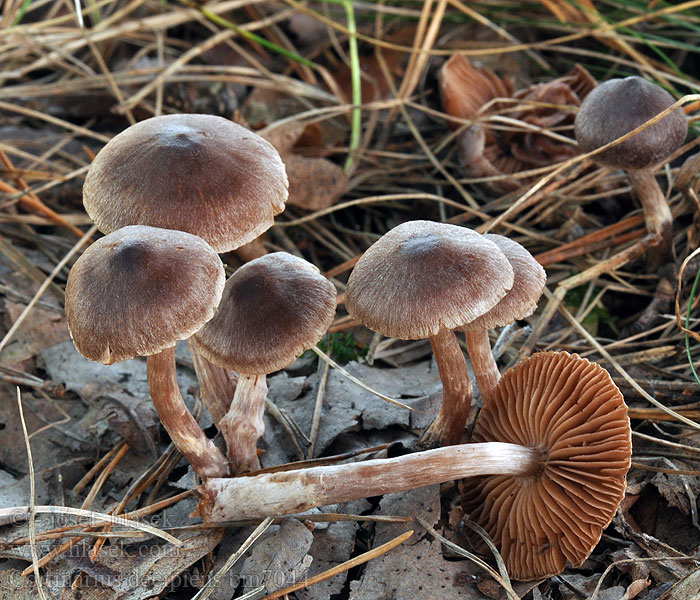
(425,279)
(552,440)
(152,189)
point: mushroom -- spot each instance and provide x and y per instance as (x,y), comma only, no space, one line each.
(569,410)
(273,309)
(201,174)
(519,302)
(136,292)
(555,440)
(424,279)
(615,108)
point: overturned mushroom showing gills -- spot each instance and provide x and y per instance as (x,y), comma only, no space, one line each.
(519,302)
(615,108)
(422,280)
(553,486)
(569,410)
(136,292)
(273,309)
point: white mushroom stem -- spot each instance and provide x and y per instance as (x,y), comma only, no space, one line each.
(243,424)
(449,424)
(187,436)
(286,492)
(217,385)
(483,363)
(657,214)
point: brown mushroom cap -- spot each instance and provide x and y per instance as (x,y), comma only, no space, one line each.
(273,309)
(618,106)
(570,409)
(139,290)
(422,276)
(197,173)
(521,300)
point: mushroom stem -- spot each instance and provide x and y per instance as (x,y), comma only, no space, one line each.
(456,390)
(285,492)
(243,424)
(184,431)
(217,385)
(483,363)
(657,214)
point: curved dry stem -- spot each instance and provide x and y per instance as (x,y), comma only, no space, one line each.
(184,431)
(269,494)
(217,385)
(657,214)
(483,363)
(449,425)
(243,424)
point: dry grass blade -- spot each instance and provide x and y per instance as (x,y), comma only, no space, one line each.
(630,561)
(356,381)
(502,578)
(684,265)
(20,513)
(213,583)
(47,282)
(604,353)
(349,564)
(32,507)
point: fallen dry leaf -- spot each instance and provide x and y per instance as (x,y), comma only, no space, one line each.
(315,183)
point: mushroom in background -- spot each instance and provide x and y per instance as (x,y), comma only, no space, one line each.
(615,108)
(555,442)
(423,280)
(502,148)
(136,292)
(273,309)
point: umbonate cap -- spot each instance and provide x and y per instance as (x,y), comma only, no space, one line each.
(197,173)
(521,300)
(569,409)
(423,276)
(139,290)
(273,309)
(618,106)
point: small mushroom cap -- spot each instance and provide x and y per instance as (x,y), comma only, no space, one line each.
(422,277)
(273,309)
(521,300)
(570,409)
(618,106)
(197,173)
(139,290)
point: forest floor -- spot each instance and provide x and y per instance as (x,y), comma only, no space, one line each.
(371,123)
